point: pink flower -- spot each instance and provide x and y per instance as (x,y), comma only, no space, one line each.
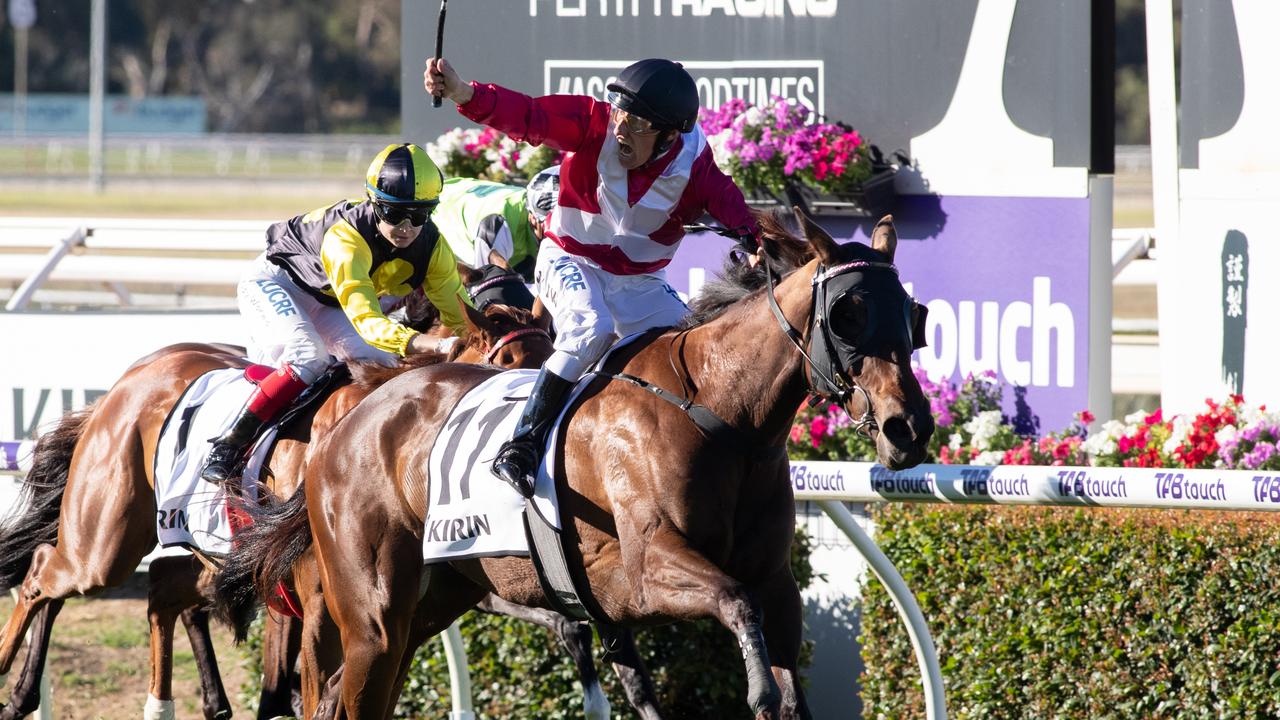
(818,428)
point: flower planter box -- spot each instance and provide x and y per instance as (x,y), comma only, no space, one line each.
(874,198)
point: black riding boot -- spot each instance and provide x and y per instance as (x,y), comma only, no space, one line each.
(519,456)
(227,450)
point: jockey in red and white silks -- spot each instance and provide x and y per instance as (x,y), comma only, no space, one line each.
(639,169)
(610,222)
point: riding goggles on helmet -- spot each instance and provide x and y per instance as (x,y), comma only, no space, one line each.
(636,124)
(395,214)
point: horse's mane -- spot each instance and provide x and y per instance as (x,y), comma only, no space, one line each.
(372,375)
(504,317)
(738,279)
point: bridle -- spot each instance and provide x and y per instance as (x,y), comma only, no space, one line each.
(514,336)
(832,382)
(479,288)
(826,378)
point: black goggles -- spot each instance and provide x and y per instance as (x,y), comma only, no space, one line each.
(395,214)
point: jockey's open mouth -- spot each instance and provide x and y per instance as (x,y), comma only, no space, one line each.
(625,150)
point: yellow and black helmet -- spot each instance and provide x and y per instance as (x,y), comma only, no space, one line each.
(403,175)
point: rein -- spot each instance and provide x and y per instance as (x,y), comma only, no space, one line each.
(512,337)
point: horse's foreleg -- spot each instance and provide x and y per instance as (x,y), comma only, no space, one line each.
(172,583)
(212,693)
(280,638)
(372,596)
(445,598)
(621,652)
(26,693)
(575,637)
(677,581)
(783,631)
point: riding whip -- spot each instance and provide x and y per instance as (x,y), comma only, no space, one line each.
(435,100)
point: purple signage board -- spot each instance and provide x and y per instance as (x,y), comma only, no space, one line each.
(1002,278)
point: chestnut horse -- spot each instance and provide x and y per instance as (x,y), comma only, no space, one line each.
(667,514)
(91,509)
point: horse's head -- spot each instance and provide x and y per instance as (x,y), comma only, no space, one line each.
(495,283)
(862,330)
(504,336)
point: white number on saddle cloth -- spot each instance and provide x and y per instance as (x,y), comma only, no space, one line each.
(189,511)
(470,511)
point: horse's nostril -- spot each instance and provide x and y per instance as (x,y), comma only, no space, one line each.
(898,430)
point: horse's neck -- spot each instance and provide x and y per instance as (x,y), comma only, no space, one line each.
(744,366)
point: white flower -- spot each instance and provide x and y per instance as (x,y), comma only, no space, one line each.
(1227,433)
(955,442)
(1102,442)
(753,116)
(1113,428)
(1181,428)
(983,427)
(989,457)
(1134,418)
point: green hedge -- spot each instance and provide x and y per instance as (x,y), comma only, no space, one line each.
(519,670)
(1080,613)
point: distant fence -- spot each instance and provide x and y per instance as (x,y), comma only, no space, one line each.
(204,157)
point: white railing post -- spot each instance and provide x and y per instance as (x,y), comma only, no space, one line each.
(22,296)
(459,675)
(935,699)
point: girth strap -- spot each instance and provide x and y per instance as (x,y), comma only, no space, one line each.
(711,425)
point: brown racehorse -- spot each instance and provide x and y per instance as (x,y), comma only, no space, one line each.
(664,520)
(91,510)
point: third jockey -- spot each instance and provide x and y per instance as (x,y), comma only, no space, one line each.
(321,289)
(639,168)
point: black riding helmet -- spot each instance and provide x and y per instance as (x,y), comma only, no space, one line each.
(660,91)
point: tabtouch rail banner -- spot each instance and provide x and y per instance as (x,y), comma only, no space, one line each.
(1039,485)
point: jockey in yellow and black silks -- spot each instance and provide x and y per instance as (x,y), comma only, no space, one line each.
(319,293)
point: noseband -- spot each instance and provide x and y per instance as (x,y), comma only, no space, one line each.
(507,288)
(832,382)
(512,337)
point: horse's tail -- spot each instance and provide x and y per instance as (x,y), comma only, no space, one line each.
(40,498)
(262,557)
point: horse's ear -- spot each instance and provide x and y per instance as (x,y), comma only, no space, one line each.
(826,248)
(541,316)
(476,321)
(467,274)
(885,237)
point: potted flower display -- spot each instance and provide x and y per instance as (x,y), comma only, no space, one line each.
(770,149)
(487,154)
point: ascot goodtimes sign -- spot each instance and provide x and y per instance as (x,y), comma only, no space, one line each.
(718,81)
(692,8)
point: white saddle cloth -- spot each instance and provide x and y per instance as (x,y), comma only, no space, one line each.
(471,512)
(189,511)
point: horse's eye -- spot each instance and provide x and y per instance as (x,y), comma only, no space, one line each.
(849,316)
